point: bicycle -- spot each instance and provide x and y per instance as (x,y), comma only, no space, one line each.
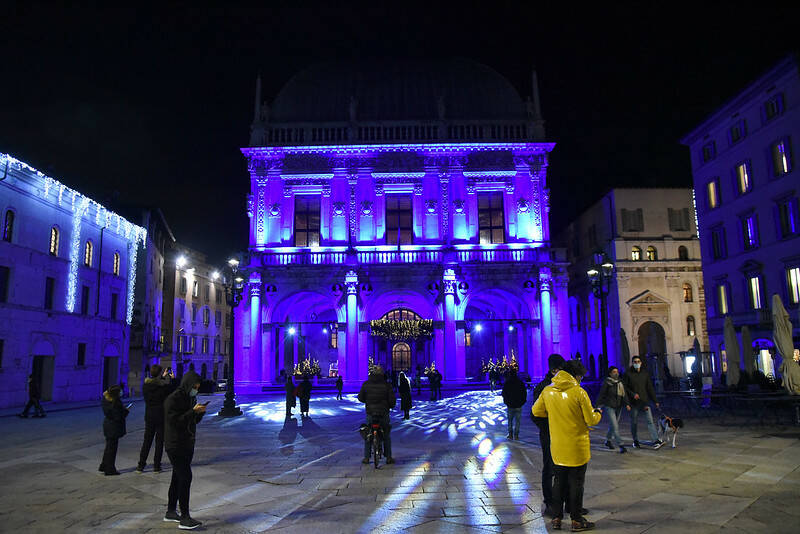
(374,434)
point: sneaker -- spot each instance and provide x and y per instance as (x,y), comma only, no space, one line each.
(580,526)
(609,445)
(187,523)
(658,444)
(365,461)
(622,449)
(556,523)
(510,436)
(172,516)
(140,469)
(390,460)
(22,415)
(636,445)
(516,437)
(157,469)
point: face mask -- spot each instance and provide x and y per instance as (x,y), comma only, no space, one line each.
(637,366)
(192,392)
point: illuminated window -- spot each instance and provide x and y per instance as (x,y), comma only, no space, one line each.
(195,288)
(204,348)
(781,157)
(399,220)
(467,338)
(401,357)
(754,284)
(8,226)
(690,330)
(743,182)
(87,254)
(683,253)
(652,253)
(722,299)
(402,314)
(491,223)
(115,265)
(333,338)
(793,282)
(750,231)
(306,221)
(687,293)
(636,254)
(54,239)
(712,194)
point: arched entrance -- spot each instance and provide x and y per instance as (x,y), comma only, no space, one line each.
(400,354)
(652,339)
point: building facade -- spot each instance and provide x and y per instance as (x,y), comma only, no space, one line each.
(656,297)
(67,278)
(747,188)
(413,193)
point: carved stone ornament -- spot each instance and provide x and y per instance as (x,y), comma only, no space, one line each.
(523,205)
(458,205)
(450,287)
(287,190)
(251,205)
(326,190)
(366,207)
(471,187)
(379,190)
(418,189)
(430,206)
(275,209)
(509,187)
(338,209)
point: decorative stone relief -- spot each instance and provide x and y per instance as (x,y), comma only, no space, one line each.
(287,190)
(430,206)
(546,199)
(275,209)
(418,189)
(471,187)
(379,190)
(366,208)
(523,205)
(458,205)
(261,208)
(338,209)
(326,190)
(510,187)
(251,205)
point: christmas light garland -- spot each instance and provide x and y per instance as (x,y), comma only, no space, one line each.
(407,329)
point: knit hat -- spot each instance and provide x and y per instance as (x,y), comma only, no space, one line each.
(555,361)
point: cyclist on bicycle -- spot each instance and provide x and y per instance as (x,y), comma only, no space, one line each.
(379,398)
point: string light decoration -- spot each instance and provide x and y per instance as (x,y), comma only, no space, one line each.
(307,367)
(502,366)
(404,329)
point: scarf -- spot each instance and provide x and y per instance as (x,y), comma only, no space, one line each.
(619,386)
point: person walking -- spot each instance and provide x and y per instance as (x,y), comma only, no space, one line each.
(181,415)
(641,391)
(569,411)
(378,398)
(437,391)
(554,364)
(34,395)
(155,390)
(305,396)
(514,397)
(113,428)
(404,386)
(291,401)
(610,400)
(339,386)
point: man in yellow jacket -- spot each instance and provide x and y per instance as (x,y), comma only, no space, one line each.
(570,414)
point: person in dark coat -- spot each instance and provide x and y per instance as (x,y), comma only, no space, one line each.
(291,401)
(34,395)
(554,362)
(612,397)
(404,386)
(492,379)
(155,390)
(305,396)
(113,428)
(339,386)
(640,388)
(379,398)
(181,415)
(514,397)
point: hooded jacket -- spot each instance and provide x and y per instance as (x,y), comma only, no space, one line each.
(541,422)
(155,391)
(180,420)
(114,422)
(514,392)
(639,382)
(569,412)
(378,395)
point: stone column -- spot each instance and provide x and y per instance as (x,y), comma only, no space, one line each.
(546,313)
(454,369)
(351,345)
(254,364)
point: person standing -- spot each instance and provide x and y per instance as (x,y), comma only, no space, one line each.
(181,415)
(514,397)
(437,392)
(610,400)
(339,386)
(378,398)
(640,388)
(155,391)
(404,386)
(305,396)
(291,401)
(569,411)
(113,428)
(492,379)
(34,395)
(554,363)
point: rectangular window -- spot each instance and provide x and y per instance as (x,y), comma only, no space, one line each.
(216,346)
(678,219)
(781,157)
(737,132)
(85,300)
(218,295)
(195,288)
(773,107)
(709,151)
(632,220)
(217,317)
(5,273)
(750,232)
(81,354)
(306,221)
(206,316)
(114,305)
(194,313)
(333,338)
(754,284)
(49,289)
(208,292)
(491,223)
(182,308)
(205,345)
(719,247)
(793,282)
(722,299)
(193,343)
(467,338)
(181,343)
(712,194)
(787,217)
(183,285)
(2,343)
(743,180)
(399,220)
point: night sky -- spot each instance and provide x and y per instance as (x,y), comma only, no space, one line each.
(151,107)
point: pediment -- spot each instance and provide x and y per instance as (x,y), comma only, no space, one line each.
(647,298)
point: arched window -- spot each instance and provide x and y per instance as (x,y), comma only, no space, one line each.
(683,253)
(8,226)
(54,237)
(636,254)
(687,293)
(690,330)
(652,253)
(115,266)
(401,357)
(87,254)
(402,314)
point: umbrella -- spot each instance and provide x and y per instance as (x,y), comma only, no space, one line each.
(732,351)
(782,336)
(626,352)
(747,350)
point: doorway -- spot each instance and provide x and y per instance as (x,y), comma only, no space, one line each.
(43,368)
(110,371)
(401,357)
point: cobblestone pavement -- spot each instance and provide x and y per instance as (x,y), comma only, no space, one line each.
(455,472)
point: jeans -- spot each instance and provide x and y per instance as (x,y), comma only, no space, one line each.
(181,482)
(613,424)
(635,422)
(547,467)
(152,429)
(387,439)
(37,408)
(514,416)
(110,456)
(339,394)
(569,488)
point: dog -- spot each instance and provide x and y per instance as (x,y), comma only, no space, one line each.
(666,425)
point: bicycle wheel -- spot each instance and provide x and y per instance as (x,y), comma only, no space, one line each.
(376,448)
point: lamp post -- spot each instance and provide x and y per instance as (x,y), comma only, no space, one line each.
(600,277)
(234,285)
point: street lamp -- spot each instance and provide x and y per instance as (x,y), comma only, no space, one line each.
(600,277)
(234,285)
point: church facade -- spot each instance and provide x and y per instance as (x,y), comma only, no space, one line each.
(399,213)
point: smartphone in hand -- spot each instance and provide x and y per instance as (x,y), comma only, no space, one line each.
(203,403)
(128,407)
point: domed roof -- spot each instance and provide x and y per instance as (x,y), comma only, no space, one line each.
(390,90)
